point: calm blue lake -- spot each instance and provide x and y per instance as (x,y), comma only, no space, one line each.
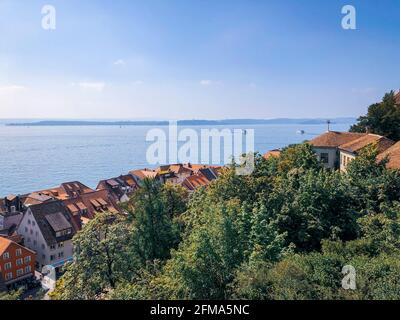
(35,158)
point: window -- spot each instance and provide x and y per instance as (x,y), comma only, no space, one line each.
(9,276)
(63,232)
(20,272)
(61,254)
(28,269)
(52,257)
(31,231)
(61,245)
(33,223)
(19,262)
(43,246)
(18,252)
(29,221)
(34,243)
(6,255)
(43,256)
(53,247)
(26,229)
(7,266)
(325,157)
(27,259)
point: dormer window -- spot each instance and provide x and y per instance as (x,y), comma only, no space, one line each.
(63,232)
(60,225)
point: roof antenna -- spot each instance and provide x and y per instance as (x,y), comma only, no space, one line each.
(328,122)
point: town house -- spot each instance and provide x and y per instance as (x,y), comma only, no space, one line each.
(48,229)
(17,264)
(326,146)
(349,151)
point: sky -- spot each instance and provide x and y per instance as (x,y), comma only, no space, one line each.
(192,59)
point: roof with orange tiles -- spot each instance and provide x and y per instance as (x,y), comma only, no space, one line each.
(175,168)
(333,139)
(67,190)
(144,173)
(5,243)
(273,153)
(393,155)
(382,143)
(91,203)
(195,181)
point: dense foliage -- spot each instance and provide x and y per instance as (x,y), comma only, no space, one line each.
(284,232)
(382,118)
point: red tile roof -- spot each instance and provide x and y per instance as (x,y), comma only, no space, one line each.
(67,190)
(355,146)
(92,202)
(195,181)
(393,154)
(333,139)
(5,243)
(144,173)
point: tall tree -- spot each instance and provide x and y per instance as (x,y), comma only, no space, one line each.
(102,259)
(152,213)
(382,118)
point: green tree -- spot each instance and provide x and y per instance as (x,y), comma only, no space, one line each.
(102,259)
(310,206)
(382,118)
(369,184)
(299,156)
(151,213)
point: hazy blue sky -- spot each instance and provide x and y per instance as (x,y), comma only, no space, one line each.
(196,59)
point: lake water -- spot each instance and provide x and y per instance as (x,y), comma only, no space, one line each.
(35,158)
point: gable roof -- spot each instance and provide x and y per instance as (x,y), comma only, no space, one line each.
(333,139)
(43,214)
(194,182)
(5,243)
(393,154)
(144,173)
(36,198)
(67,190)
(57,221)
(355,146)
(94,202)
(175,168)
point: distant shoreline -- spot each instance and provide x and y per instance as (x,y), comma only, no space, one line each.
(305,121)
